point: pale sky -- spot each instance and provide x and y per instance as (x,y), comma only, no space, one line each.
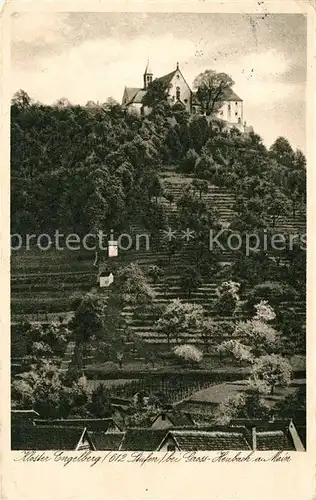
(92,56)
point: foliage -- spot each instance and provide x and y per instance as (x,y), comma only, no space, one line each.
(236,350)
(269,291)
(228,298)
(214,330)
(188,162)
(100,405)
(293,406)
(264,312)
(155,273)
(157,92)
(273,370)
(259,336)
(211,88)
(43,388)
(188,353)
(131,285)
(178,317)
(89,319)
(190,279)
(241,406)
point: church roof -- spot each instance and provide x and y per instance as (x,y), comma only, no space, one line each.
(135,95)
(230,95)
(131,93)
(167,78)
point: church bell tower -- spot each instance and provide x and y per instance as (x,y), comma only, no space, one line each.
(148,76)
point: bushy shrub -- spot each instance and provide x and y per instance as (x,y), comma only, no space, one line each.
(189,161)
(264,312)
(188,353)
(228,298)
(273,292)
(155,273)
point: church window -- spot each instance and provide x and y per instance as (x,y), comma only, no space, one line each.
(236,103)
(236,114)
(185,100)
(178,93)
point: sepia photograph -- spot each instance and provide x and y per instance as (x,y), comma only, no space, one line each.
(158,232)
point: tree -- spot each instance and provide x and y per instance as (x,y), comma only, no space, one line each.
(211,88)
(21,99)
(189,353)
(228,298)
(241,406)
(155,273)
(214,330)
(258,336)
(157,92)
(190,279)
(178,317)
(273,370)
(293,406)
(89,319)
(100,405)
(131,285)
(41,350)
(235,350)
(188,161)
(282,152)
(201,186)
(264,312)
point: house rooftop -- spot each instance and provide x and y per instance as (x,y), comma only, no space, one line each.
(104,441)
(202,440)
(142,439)
(46,437)
(102,424)
(177,418)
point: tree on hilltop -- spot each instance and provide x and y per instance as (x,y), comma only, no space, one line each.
(211,88)
(157,92)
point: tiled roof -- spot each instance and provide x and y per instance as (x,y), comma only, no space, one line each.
(45,437)
(142,439)
(274,440)
(230,95)
(177,418)
(101,424)
(167,78)
(209,440)
(106,441)
(131,93)
(139,96)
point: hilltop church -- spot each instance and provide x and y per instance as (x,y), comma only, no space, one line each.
(180,93)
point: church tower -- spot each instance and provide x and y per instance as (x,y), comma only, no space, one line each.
(148,76)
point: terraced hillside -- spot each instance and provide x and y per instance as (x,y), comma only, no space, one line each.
(44,282)
(144,324)
(222,200)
